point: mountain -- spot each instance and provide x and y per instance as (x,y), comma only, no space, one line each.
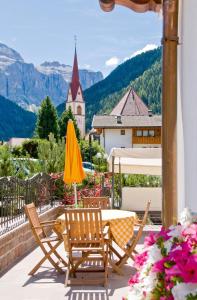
(15,121)
(148,86)
(28,85)
(87,77)
(102,93)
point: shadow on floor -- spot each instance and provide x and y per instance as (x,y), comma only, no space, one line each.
(48,276)
(45,275)
(87,294)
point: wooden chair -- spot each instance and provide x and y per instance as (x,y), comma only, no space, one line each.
(130,247)
(39,231)
(93,202)
(85,237)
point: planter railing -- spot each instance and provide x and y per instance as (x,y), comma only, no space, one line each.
(15,193)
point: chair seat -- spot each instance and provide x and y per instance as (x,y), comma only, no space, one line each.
(87,247)
(50,239)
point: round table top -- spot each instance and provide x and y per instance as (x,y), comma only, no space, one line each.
(111,214)
(114,214)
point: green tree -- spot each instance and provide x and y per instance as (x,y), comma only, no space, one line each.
(63,122)
(90,150)
(6,162)
(51,154)
(47,120)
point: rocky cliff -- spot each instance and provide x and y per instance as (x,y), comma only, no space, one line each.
(28,85)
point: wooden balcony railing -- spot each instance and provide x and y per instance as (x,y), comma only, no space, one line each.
(146,140)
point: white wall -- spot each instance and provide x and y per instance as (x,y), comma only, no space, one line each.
(74,104)
(113,138)
(135,198)
(187,105)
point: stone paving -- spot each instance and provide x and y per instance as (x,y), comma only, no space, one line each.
(47,284)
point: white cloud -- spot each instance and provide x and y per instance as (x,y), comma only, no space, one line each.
(87,67)
(148,47)
(112,62)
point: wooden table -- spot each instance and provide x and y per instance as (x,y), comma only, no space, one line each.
(120,222)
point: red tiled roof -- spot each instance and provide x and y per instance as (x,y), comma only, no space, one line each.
(75,84)
(130,105)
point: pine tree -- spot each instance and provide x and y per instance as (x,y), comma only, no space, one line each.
(66,115)
(47,120)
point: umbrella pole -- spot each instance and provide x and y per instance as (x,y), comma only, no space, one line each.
(75,193)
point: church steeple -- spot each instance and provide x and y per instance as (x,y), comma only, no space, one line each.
(75,97)
(75,83)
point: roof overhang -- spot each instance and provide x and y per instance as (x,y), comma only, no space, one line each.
(136,5)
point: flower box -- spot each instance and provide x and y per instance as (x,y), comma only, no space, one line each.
(167,267)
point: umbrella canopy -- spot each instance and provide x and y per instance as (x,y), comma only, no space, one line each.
(73,169)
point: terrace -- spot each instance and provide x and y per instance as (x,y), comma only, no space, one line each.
(47,283)
(18,250)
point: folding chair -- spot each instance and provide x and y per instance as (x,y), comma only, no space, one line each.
(93,202)
(130,247)
(86,246)
(39,231)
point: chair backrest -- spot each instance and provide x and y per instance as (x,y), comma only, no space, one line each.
(100,202)
(33,218)
(143,223)
(144,220)
(84,226)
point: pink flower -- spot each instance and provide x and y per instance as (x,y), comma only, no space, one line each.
(134,279)
(159,265)
(140,259)
(191,231)
(181,253)
(150,239)
(186,269)
(164,234)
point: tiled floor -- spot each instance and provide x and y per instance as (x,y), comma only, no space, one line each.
(49,285)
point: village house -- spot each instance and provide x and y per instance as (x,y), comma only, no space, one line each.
(130,125)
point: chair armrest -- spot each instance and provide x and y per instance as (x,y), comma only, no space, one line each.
(45,225)
(106,232)
(47,222)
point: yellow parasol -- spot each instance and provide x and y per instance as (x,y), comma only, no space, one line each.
(73,169)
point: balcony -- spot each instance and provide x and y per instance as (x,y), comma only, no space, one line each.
(149,140)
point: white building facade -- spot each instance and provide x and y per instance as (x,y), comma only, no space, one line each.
(129,125)
(187,106)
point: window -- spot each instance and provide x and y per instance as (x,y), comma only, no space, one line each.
(151,133)
(122,132)
(79,110)
(139,133)
(119,121)
(145,132)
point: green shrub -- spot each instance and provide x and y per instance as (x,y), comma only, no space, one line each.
(6,163)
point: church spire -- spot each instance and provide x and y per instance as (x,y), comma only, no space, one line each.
(75,76)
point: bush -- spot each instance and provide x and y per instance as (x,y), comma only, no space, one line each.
(141,180)
(52,155)
(6,163)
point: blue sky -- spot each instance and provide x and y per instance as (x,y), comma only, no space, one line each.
(43,30)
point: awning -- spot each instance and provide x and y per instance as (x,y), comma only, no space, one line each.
(145,161)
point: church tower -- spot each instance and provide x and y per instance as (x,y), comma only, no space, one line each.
(75,97)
